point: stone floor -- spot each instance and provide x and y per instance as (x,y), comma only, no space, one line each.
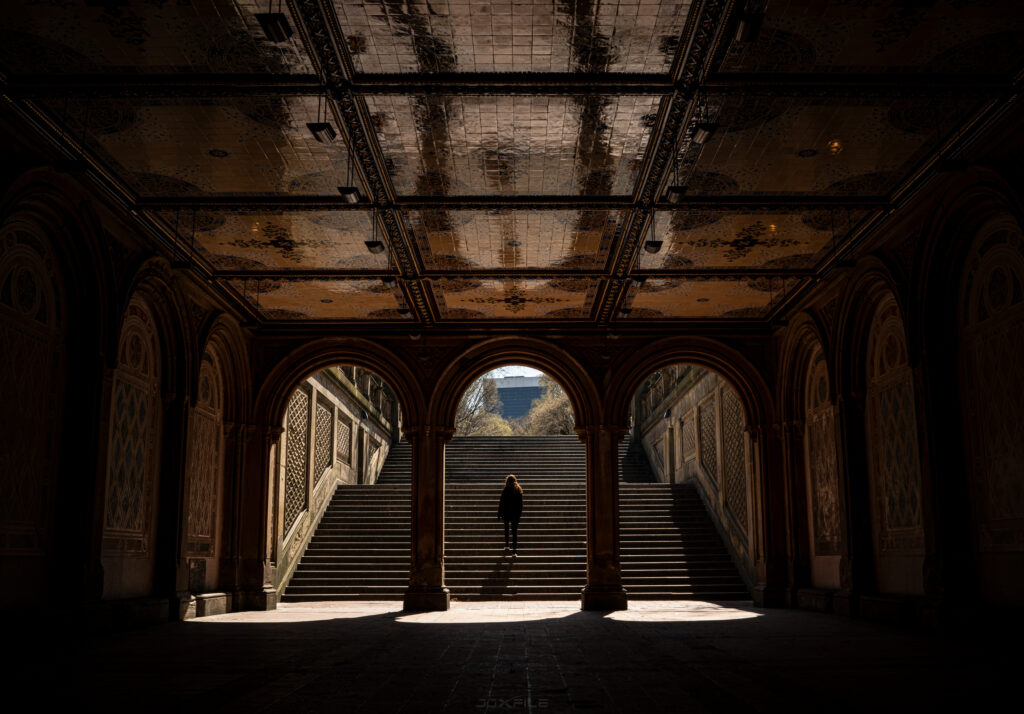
(516,656)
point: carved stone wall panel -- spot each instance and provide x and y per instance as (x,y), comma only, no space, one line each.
(205,460)
(323,446)
(689,431)
(31,382)
(892,436)
(992,382)
(734,456)
(344,439)
(296,457)
(707,415)
(821,460)
(134,438)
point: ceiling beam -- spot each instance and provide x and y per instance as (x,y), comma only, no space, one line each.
(322,38)
(497,203)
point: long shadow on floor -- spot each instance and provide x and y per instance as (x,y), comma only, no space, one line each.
(675,656)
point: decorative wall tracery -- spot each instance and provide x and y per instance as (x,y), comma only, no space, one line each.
(709,439)
(689,438)
(734,468)
(821,459)
(992,385)
(323,445)
(296,457)
(344,439)
(134,437)
(892,436)
(32,383)
(205,459)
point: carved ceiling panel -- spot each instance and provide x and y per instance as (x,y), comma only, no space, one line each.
(673,298)
(943,36)
(737,239)
(284,299)
(515,299)
(819,146)
(507,239)
(87,36)
(189,147)
(512,35)
(513,145)
(282,240)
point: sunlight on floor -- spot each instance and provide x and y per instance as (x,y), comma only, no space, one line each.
(488,611)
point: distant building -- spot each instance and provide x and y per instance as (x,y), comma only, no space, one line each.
(517,395)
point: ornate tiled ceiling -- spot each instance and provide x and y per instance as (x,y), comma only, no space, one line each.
(584,163)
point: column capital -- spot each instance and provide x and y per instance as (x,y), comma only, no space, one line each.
(428,431)
(617,431)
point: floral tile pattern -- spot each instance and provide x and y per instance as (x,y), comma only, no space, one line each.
(284,299)
(506,239)
(682,298)
(247,240)
(515,299)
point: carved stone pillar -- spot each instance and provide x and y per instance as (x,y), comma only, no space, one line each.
(604,589)
(254,568)
(426,589)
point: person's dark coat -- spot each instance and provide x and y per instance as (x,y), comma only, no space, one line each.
(510,508)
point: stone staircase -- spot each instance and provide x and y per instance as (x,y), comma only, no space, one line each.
(360,549)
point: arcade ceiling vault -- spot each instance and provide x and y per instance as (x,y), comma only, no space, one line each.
(462,162)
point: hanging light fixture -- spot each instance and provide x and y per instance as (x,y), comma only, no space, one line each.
(349,192)
(375,246)
(321,129)
(653,245)
(275,24)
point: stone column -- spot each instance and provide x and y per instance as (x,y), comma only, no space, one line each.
(426,589)
(254,567)
(604,568)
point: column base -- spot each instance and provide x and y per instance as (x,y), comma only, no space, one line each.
(426,599)
(263,599)
(603,597)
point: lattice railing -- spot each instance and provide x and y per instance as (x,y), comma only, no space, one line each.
(323,445)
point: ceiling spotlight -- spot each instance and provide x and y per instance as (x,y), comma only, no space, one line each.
(704,131)
(322,131)
(653,246)
(389,282)
(749,26)
(675,194)
(624,312)
(349,193)
(404,311)
(275,25)
(834,146)
(638,282)
(375,246)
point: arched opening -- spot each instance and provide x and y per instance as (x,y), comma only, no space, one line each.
(340,502)
(991,380)
(686,497)
(517,420)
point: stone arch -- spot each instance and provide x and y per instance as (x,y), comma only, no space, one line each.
(499,351)
(896,500)
(990,321)
(810,424)
(204,481)
(133,457)
(739,414)
(33,353)
(277,386)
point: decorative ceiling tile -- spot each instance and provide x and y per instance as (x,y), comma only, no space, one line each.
(719,239)
(304,299)
(282,240)
(190,147)
(513,145)
(508,239)
(668,298)
(940,36)
(512,35)
(514,299)
(845,146)
(86,36)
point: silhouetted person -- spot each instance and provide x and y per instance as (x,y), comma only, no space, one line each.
(510,510)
